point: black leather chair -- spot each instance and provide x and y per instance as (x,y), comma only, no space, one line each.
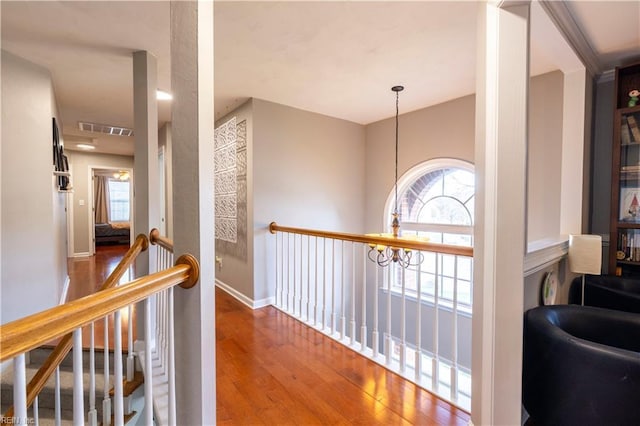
(581,366)
(607,291)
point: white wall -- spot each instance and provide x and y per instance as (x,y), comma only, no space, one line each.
(308,171)
(33,219)
(81,164)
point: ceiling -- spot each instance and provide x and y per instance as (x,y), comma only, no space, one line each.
(333,58)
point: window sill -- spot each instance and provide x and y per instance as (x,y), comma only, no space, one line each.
(444,305)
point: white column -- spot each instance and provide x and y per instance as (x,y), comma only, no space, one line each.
(501,147)
(193,200)
(145,166)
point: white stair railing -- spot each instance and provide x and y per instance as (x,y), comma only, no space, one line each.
(418,309)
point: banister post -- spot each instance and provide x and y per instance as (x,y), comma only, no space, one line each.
(193,201)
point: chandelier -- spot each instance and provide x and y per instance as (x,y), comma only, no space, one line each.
(385,255)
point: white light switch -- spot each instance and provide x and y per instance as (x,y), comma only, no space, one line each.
(81,202)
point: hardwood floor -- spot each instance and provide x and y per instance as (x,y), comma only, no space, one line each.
(86,275)
(274,370)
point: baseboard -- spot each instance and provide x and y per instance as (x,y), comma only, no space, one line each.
(65,290)
(253,304)
(82,254)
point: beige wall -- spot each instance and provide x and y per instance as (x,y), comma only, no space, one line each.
(234,272)
(81,164)
(444,130)
(545,156)
(33,239)
(308,171)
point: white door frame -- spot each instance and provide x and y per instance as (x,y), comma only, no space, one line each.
(91,209)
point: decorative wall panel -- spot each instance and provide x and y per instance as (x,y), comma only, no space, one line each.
(231,188)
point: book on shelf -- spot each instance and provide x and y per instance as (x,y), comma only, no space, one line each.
(629,245)
(630,169)
(625,134)
(633,127)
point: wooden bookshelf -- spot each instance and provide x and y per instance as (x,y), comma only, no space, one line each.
(624,242)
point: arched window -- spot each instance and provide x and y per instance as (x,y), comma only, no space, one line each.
(436,200)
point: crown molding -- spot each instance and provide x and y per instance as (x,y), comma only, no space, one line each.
(570,30)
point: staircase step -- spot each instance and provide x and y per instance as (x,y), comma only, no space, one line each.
(39,355)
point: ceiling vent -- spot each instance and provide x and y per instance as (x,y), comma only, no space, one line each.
(105,128)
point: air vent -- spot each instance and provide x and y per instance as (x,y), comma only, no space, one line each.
(105,128)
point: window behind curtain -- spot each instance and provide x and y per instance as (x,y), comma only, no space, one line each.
(119,200)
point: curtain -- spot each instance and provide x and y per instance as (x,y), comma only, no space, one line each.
(102,199)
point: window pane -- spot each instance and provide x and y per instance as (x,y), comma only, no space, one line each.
(444,210)
(459,184)
(119,201)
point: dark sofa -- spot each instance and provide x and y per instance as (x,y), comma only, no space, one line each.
(607,291)
(581,366)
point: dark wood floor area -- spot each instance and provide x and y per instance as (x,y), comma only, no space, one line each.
(274,370)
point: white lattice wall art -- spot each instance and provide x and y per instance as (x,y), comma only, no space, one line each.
(231,189)
(226,192)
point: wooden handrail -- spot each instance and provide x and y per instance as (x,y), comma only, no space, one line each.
(30,332)
(156,238)
(377,240)
(38,381)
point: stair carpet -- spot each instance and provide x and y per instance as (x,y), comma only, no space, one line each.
(46,398)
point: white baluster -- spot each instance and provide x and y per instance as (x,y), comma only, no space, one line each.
(403,317)
(324,283)
(36,412)
(315,285)
(352,321)
(301,279)
(148,385)
(19,389)
(454,339)
(418,354)
(333,287)
(57,409)
(374,334)
(387,338)
(106,401)
(436,314)
(288,274)
(281,270)
(78,387)
(130,364)
(93,413)
(118,418)
(172,362)
(363,327)
(295,283)
(308,276)
(343,279)
(278,287)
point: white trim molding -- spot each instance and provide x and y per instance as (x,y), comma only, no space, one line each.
(253,304)
(82,254)
(65,290)
(562,18)
(544,253)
